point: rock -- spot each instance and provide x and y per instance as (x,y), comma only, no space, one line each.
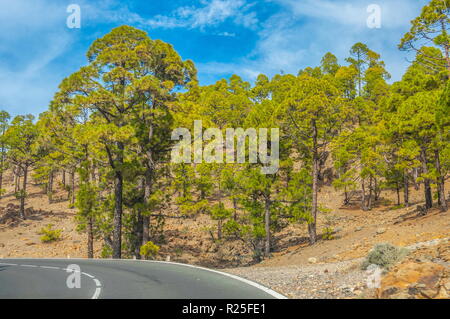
(429,293)
(443,294)
(401,295)
(312,260)
(372,268)
(381,230)
(420,279)
(359,228)
(446,285)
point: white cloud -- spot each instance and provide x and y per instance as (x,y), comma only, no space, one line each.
(304,30)
(34,34)
(212,13)
(353,12)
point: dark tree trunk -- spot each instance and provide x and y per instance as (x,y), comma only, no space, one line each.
(72,187)
(117,231)
(64,178)
(369,201)
(346,199)
(440,184)
(397,188)
(406,188)
(118,203)
(139,233)
(377,190)
(219,229)
(267,227)
(146,219)
(315,171)
(90,242)
(235,208)
(23,192)
(2,163)
(426,182)
(50,187)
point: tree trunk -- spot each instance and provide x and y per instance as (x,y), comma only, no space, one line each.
(397,188)
(235,208)
(440,184)
(346,200)
(415,177)
(117,231)
(315,171)
(406,188)
(363,195)
(426,182)
(147,194)
(267,227)
(17,179)
(72,187)
(369,202)
(90,233)
(219,229)
(50,187)
(64,178)
(23,193)
(139,234)
(2,163)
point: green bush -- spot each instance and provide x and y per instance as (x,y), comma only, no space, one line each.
(327,233)
(385,256)
(49,234)
(149,250)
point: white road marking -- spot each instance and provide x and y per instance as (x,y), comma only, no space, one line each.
(86,274)
(49,267)
(31,266)
(6,264)
(96,293)
(97,282)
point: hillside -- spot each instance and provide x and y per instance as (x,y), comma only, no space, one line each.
(328,269)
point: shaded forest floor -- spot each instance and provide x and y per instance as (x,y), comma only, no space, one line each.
(329,269)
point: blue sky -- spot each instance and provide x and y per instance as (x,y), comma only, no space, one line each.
(222,37)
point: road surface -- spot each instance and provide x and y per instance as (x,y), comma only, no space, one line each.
(128,279)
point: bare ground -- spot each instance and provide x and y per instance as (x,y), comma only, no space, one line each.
(329,269)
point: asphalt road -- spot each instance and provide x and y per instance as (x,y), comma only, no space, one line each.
(127,279)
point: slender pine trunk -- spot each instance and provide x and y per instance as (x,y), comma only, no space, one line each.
(363,195)
(23,192)
(90,234)
(406,188)
(72,187)
(426,182)
(50,187)
(267,226)
(315,171)
(369,201)
(440,183)
(2,163)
